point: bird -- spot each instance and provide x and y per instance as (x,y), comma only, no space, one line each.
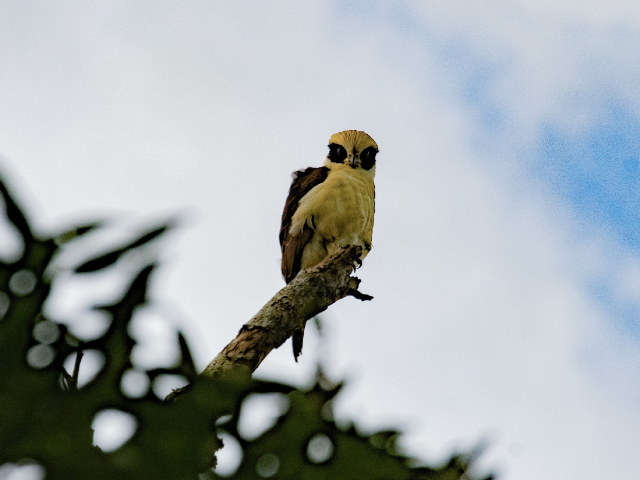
(329,207)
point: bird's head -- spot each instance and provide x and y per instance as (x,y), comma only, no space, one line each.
(353,148)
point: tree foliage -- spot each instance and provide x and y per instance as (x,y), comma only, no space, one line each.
(45,417)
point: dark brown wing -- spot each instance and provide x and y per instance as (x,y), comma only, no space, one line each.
(292,246)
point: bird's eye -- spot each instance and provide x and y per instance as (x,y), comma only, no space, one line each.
(337,153)
(368,158)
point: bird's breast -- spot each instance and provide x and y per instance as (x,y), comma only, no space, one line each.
(340,210)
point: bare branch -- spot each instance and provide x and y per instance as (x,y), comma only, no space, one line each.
(309,294)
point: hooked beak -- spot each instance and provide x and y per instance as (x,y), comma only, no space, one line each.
(352,160)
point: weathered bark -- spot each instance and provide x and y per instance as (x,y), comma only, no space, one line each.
(310,293)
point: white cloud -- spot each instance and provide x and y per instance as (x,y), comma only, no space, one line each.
(555,62)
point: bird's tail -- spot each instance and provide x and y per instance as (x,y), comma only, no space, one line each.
(296,341)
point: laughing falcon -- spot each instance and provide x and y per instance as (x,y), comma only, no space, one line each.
(329,207)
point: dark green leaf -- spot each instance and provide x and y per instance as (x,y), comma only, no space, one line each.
(100,262)
(108,259)
(14,213)
(147,237)
(76,232)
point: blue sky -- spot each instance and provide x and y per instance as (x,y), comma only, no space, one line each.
(506,262)
(597,172)
(594,172)
(597,175)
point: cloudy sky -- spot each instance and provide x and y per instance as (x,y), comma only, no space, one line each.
(506,260)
